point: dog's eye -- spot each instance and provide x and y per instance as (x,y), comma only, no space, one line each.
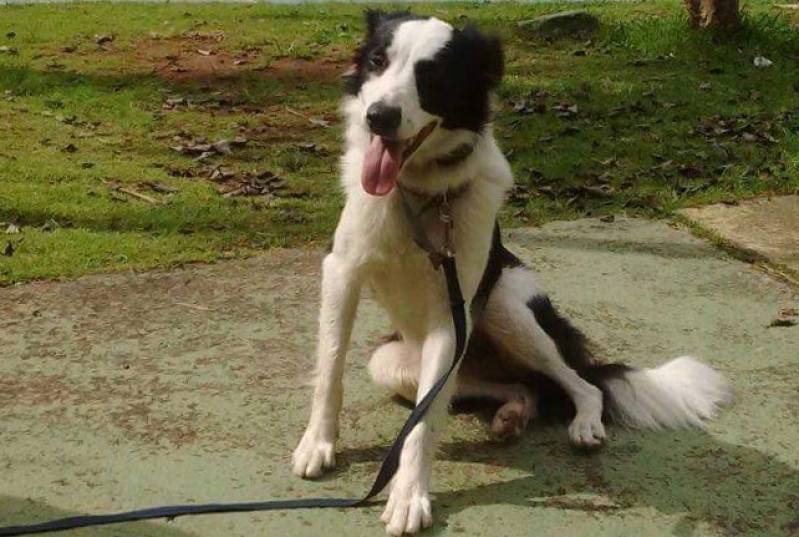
(378,61)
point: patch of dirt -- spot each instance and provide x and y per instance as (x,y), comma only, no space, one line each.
(202,60)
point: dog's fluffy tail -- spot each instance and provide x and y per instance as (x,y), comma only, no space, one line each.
(681,393)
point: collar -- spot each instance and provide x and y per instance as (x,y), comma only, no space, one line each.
(429,198)
(457,155)
(440,202)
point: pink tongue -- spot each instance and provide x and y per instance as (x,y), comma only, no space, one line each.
(380,169)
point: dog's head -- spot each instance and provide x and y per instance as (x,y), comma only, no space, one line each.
(420,91)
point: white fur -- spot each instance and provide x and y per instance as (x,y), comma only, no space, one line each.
(681,393)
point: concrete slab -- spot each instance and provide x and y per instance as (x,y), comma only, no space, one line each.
(767,228)
(127,391)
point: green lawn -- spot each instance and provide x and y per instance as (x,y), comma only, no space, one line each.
(646,117)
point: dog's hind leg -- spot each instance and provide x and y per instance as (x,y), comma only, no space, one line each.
(510,320)
(518,403)
(395,365)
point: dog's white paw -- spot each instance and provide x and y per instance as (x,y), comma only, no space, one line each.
(407,511)
(587,431)
(315,452)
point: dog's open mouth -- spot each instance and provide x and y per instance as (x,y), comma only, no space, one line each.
(384,160)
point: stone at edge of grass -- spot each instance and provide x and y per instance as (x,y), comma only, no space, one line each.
(762,228)
(575,23)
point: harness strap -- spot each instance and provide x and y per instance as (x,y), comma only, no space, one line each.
(387,469)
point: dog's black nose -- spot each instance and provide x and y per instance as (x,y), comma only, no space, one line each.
(383,120)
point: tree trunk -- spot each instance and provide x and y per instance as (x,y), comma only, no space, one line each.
(713,13)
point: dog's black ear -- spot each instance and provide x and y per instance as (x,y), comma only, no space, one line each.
(376,17)
(373,17)
(487,55)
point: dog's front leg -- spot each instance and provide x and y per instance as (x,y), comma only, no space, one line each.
(408,508)
(340,291)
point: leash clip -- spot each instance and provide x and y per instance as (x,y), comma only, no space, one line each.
(445,215)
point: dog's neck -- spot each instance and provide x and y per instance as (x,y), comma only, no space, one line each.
(446,164)
(423,197)
(456,156)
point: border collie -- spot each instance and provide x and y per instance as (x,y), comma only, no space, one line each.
(418,128)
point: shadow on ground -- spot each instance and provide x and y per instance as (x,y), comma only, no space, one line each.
(739,490)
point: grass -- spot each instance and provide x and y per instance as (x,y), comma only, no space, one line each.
(645,118)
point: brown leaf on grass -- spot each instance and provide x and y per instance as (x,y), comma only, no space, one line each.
(70,148)
(69,49)
(319,122)
(205,150)
(690,171)
(310,147)
(598,191)
(52,225)
(117,187)
(173,102)
(159,187)
(520,107)
(565,110)
(102,39)
(265,183)
(218,173)
(520,193)
(216,35)
(177,171)
(646,201)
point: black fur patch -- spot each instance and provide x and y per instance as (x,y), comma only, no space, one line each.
(455,84)
(571,343)
(499,258)
(380,28)
(573,347)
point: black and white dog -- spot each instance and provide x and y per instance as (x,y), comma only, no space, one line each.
(418,126)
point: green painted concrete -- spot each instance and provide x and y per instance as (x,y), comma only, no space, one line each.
(126,391)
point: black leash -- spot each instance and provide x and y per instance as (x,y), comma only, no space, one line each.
(390,464)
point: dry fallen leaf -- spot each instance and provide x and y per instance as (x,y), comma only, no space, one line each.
(103,38)
(159,187)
